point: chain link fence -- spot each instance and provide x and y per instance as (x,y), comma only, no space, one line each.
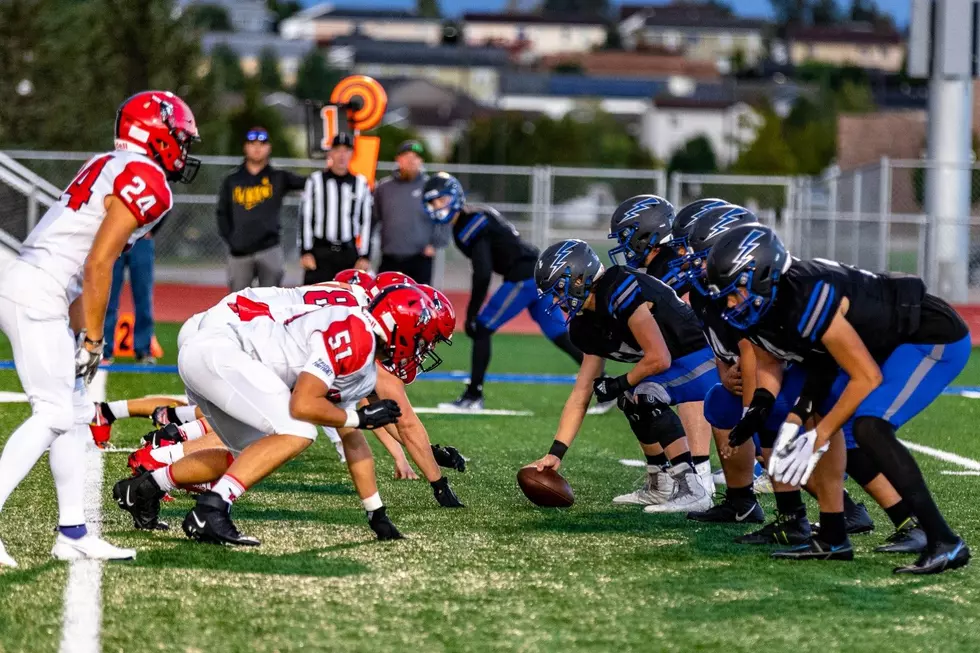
(874,216)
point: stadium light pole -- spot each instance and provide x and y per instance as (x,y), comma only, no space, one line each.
(942,48)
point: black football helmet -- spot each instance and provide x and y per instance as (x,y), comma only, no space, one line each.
(639,225)
(443,184)
(688,268)
(687,216)
(749,257)
(567,271)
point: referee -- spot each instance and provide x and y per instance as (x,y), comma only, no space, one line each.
(336,230)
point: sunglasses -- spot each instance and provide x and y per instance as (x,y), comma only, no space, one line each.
(252,136)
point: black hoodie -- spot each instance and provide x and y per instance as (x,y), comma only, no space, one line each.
(248,208)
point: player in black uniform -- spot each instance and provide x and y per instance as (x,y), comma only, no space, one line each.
(623,315)
(493,245)
(897,346)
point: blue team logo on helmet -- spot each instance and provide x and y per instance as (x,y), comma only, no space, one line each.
(566,271)
(443,185)
(639,225)
(744,269)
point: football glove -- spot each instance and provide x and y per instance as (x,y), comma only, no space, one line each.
(445,495)
(380,413)
(754,418)
(608,388)
(448,457)
(164,437)
(163,415)
(794,456)
(87,361)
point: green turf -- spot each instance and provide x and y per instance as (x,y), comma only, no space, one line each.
(497,576)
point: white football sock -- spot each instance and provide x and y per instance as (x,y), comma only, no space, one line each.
(119,409)
(22,451)
(228,488)
(168,455)
(186,413)
(372,503)
(67,459)
(163,479)
(192,430)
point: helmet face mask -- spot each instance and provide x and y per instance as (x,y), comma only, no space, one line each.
(402,314)
(743,270)
(566,271)
(162,126)
(443,198)
(639,225)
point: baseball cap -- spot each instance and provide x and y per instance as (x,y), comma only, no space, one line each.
(411,146)
(343,139)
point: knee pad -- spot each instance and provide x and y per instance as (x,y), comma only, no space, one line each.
(654,423)
(860,467)
(722,408)
(867,429)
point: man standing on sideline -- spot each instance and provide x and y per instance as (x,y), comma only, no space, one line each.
(248,215)
(408,237)
(335,233)
(139,260)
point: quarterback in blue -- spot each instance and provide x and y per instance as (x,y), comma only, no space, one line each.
(493,245)
(897,347)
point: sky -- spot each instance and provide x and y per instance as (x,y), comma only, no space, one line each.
(898,8)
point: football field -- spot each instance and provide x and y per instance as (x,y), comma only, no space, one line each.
(499,575)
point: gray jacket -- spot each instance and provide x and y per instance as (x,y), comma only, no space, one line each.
(405,227)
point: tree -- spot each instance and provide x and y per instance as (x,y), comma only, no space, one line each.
(282,9)
(768,154)
(696,155)
(254,112)
(789,12)
(315,78)
(210,18)
(394,135)
(226,70)
(825,12)
(428,8)
(269,78)
(576,7)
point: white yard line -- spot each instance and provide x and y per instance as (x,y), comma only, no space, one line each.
(945,456)
(82,618)
(487,412)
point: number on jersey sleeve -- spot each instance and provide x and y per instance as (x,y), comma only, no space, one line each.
(142,187)
(349,344)
(330,297)
(79,191)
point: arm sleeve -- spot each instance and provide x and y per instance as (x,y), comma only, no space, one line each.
(306,217)
(482,273)
(319,364)
(224,210)
(816,307)
(364,202)
(626,298)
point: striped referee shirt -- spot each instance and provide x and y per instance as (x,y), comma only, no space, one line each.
(336,210)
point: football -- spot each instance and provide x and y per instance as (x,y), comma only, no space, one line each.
(546,488)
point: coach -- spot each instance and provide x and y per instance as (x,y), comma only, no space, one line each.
(335,233)
(248,215)
(408,237)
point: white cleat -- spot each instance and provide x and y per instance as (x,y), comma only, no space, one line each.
(5,559)
(706,477)
(688,495)
(602,408)
(762,484)
(89,547)
(340,451)
(656,489)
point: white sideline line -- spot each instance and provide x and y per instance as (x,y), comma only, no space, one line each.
(963,473)
(946,456)
(486,412)
(82,617)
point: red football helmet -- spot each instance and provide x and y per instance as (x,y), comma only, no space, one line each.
(358,278)
(402,314)
(385,279)
(445,323)
(162,126)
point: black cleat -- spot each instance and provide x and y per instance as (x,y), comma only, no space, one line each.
(731,512)
(164,436)
(210,522)
(784,529)
(815,549)
(382,526)
(140,497)
(858,521)
(907,538)
(943,557)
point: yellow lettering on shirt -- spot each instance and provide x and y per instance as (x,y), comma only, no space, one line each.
(251,196)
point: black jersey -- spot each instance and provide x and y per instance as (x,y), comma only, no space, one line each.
(620,292)
(885,310)
(481,232)
(659,268)
(722,337)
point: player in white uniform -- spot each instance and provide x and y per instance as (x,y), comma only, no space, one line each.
(263,383)
(114,200)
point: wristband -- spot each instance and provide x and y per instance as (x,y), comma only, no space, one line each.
(558,449)
(89,341)
(763,399)
(803,409)
(353,419)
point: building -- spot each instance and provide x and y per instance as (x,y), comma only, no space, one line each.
(249,48)
(672,121)
(472,70)
(323,23)
(699,31)
(539,34)
(251,16)
(618,63)
(856,44)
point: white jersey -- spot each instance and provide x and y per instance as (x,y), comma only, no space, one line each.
(334,343)
(61,241)
(280,303)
